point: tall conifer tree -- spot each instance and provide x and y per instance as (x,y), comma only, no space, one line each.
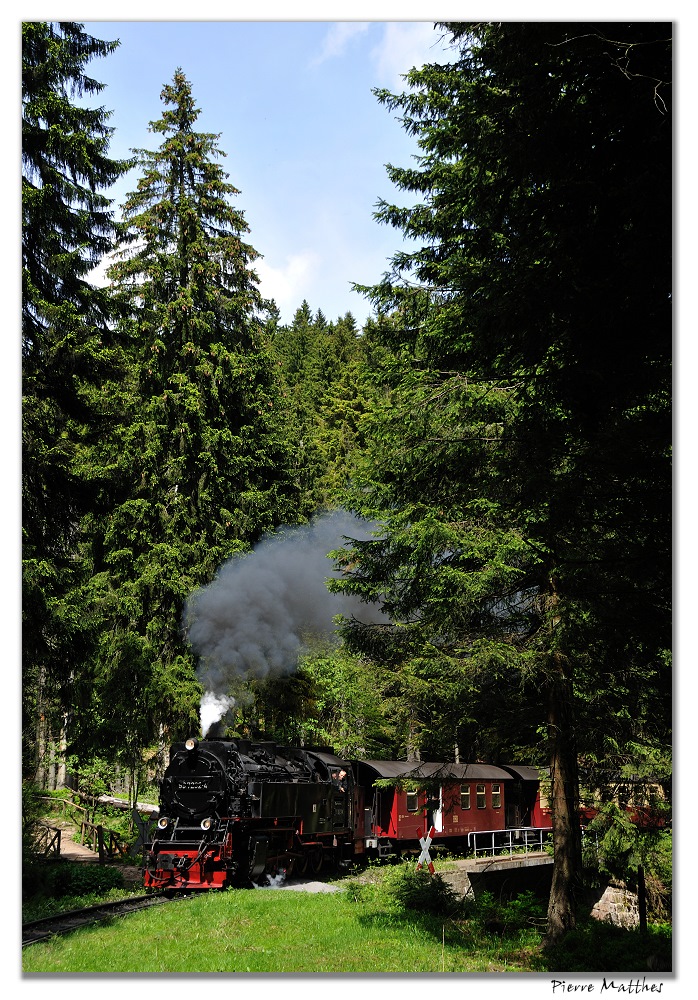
(203,449)
(67,348)
(522,465)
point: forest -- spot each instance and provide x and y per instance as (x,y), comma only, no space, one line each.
(481,471)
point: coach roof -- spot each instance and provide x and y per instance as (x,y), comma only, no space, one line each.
(413,770)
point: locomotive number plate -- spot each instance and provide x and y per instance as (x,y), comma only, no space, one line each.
(194,784)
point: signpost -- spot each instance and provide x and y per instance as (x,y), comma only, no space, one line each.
(425,844)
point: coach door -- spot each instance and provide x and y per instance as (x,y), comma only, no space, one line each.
(513,815)
(435,812)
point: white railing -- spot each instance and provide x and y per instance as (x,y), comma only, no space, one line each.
(514,840)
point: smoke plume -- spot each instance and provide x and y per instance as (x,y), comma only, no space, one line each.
(251,621)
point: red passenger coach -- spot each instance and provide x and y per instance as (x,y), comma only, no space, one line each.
(464,803)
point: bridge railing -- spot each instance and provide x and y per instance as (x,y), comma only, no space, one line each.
(104,842)
(48,840)
(515,840)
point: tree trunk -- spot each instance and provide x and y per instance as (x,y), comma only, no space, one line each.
(564,801)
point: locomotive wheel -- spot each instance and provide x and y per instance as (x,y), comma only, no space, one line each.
(315,860)
(302,864)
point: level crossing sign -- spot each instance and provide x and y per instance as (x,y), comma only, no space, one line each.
(425,844)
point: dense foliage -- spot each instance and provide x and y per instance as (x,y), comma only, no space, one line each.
(68,350)
(521,464)
(329,390)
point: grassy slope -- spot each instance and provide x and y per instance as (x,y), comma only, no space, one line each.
(271,931)
(268,931)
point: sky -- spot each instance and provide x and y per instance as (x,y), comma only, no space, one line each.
(306,140)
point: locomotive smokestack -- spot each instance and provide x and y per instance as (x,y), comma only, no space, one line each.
(215,730)
(251,620)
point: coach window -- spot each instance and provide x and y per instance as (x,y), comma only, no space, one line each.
(465,796)
(496,796)
(412,802)
(480,792)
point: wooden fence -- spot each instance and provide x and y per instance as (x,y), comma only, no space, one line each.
(106,843)
(48,840)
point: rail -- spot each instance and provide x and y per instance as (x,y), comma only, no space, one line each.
(63,804)
(70,920)
(511,841)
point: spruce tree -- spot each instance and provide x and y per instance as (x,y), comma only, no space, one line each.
(522,463)
(202,447)
(68,351)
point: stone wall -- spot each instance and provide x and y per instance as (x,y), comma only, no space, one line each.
(615,904)
(618,906)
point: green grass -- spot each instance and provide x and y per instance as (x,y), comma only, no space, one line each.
(270,931)
(388,924)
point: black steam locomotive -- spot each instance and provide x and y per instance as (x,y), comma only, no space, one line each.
(232,812)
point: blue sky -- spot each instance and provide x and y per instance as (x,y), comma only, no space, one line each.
(306,140)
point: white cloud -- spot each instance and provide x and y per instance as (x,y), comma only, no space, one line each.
(404,45)
(288,284)
(98,276)
(338,37)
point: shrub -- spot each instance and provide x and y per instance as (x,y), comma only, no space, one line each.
(412,889)
(67,878)
(32,811)
(504,916)
(596,946)
(614,847)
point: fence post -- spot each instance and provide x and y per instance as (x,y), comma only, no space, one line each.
(100,843)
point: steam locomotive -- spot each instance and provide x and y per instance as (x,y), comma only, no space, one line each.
(233,812)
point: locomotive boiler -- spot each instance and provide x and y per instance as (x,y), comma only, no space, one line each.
(233,812)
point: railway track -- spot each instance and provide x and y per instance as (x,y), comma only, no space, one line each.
(70,920)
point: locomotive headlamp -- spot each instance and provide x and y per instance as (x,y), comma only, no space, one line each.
(206,823)
(191,744)
(163,823)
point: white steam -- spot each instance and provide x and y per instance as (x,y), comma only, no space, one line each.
(252,620)
(213,707)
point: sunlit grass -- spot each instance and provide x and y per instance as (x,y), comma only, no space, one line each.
(286,931)
(388,920)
